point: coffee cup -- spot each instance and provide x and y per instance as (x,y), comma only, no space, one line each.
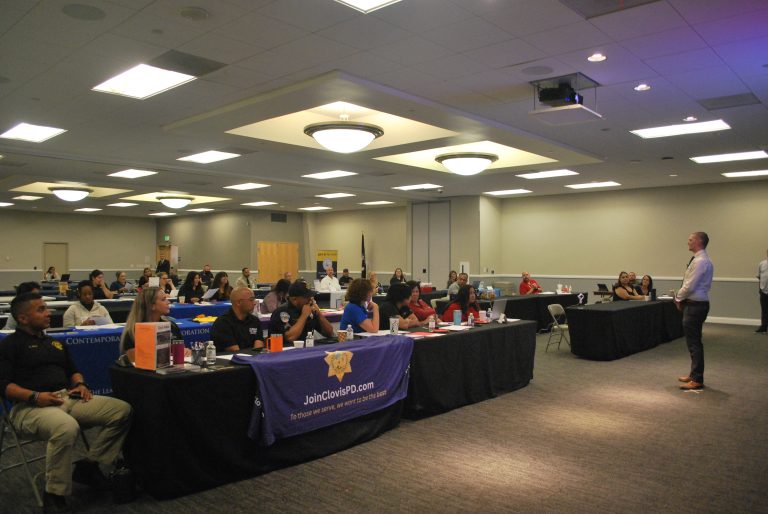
(182,298)
(483,316)
(275,343)
(298,344)
(394,324)
(341,335)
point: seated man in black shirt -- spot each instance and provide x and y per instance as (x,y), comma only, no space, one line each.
(238,329)
(345,279)
(51,399)
(396,306)
(299,315)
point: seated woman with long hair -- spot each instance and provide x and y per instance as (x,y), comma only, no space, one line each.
(452,277)
(419,307)
(191,289)
(645,286)
(466,302)
(397,277)
(622,291)
(396,305)
(276,297)
(150,306)
(221,285)
(360,305)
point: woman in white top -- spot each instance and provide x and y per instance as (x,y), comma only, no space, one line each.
(84,311)
(51,274)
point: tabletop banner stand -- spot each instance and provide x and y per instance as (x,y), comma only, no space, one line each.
(153,345)
(304,390)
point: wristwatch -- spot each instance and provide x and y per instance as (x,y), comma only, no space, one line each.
(81,384)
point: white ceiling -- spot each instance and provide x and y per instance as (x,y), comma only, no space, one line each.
(461,65)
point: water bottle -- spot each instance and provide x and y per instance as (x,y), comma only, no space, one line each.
(210,353)
(471,320)
(309,341)
(489,314)
(431,323)
(350,332)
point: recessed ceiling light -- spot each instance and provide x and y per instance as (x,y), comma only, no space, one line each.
(343,136)
(209,157)
(377,202)
(596,57)
(737,174)
(162,214)
(726,157)
(642,87)
(174,202)
(143,81)
(417,186)
(467,164)
(31,133)
(87,209)
(335,195)
(5,204)
(330,174)
(122,204)
(132,173)
(258,204)
(547,174)
(678,130)
(366,6)
(315,208)
(690,119)
(28,198)
(593,184)
(200,209)
(507,192)
(70,194)
(246,186)
(673,174)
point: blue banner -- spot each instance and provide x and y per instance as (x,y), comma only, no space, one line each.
(303,390)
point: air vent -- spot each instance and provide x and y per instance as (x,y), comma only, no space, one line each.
(595,8)
(279,217)
(186,63)
(726,102)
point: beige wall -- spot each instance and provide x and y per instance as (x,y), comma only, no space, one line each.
(107,242)
(465,237)
(641,230)
(386,235)
(490,235)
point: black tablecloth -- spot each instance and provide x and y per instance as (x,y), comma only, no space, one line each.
(609,331)
(468,367)
(441,305)
(189,430)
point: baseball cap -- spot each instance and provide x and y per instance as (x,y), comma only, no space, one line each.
(300,289)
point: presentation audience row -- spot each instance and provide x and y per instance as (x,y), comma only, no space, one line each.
(465,302)
(86,311)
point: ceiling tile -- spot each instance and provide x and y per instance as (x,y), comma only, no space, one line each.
(364,32)
(639,21)
(697,11)
(737,28)
(538,70)
(710,82)
(218,47)
(531,16)
(452,66)
(412,50)
(685,61)
(423,15)
(311,16)
(291,57)
(467,35)
(261,31)
(664,43)
(237,76)
(507,53)
(218,12)
(747,57)
(568,38)
(621,66)
(165,32)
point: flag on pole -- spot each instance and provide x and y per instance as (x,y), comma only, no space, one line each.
(364,268)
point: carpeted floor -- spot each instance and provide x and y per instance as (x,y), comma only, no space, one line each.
(582,437)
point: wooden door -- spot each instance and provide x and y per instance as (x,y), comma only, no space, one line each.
(274,258)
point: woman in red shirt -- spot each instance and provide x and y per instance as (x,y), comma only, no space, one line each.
(419,307)
(466,302)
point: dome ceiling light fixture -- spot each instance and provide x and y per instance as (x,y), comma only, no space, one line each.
(71,194)
(343,136)
(466,164)
(174,202)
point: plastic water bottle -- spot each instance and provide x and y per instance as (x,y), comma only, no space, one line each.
(210,353)
(350,333)
(471,320)
(489,313)
(431,323)
(309,341)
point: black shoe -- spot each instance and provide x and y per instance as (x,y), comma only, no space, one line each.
(123,485)
(760,330)
(53,503)
(88,473)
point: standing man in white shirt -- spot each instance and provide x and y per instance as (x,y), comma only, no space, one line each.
(693,300)
(762,276)
(329,282)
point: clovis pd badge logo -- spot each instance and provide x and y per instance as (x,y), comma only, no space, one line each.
(338,363)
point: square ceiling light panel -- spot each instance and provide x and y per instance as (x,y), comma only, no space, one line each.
(143,81)
(508,157)
(45,188)
(153,197)
(367,6)
(289,129)
(31,133)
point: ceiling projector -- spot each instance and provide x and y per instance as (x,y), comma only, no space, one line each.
(561,95)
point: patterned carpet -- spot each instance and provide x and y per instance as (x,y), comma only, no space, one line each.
(582,437)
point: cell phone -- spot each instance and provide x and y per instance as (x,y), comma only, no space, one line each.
(75,396)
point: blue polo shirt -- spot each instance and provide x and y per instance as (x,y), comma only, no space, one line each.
(354,314)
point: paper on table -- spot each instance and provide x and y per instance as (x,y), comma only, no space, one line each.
(208,294)
(456,328)
(379,333)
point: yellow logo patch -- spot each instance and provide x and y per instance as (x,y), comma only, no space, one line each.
(338,363)
(57,345)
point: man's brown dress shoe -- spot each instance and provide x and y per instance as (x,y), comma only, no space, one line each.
(692,385)
(686,379)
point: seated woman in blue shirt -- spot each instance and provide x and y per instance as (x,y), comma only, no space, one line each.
(623,291)
(356,311)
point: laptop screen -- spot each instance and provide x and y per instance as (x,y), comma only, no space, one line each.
(499,307)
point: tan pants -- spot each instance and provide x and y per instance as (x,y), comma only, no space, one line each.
(60,426)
